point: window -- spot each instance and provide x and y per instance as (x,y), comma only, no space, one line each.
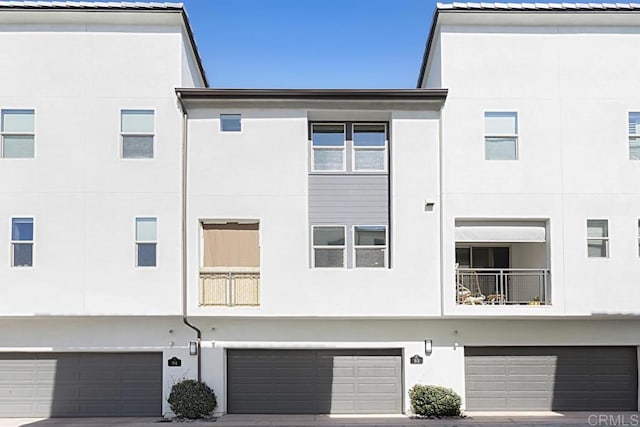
(634,136)
(146,242)
(639,237)
(328,143)
(328,246)
(18,134)
(230,123)
(501,136)
(137,128)
(22,242)
(597,238)
(369,147)
(370,246)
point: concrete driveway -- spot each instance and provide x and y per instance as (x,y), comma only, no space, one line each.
(537,419)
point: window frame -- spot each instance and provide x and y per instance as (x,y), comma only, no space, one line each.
(604,239)
(343,247)
(152,134)
(384,148)
(515,136)
(4,133)
(343,148)
(385,248)
(230,114)
(22,242)
(144,242)
(630,136)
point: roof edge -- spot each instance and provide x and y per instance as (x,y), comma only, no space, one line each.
(314,94)
(427,47)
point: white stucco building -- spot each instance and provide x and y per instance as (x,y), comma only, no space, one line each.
(329,248)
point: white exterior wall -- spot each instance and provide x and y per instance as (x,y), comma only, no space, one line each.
(77,70)
(555,72)
(261,173)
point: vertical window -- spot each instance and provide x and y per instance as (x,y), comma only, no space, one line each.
(328,246)
(146,242)
(634,136)
(369,147)
(137,129)
(18,134)
(598,238)
(22,242)
(230,122)
(501,136)
(328,144)
(639,237)
(370,246)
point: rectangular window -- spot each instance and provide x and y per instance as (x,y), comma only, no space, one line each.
(369,147)
(230,122)
(501,136)
(328,246)
(639,237)
(137,131)
(328,144)
(598,238)
(634,136)
(146,242)
(370,246)
(18,134)
(22,242)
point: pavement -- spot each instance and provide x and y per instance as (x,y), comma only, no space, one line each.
(485,419)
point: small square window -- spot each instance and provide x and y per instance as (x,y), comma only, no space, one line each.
(146,242)
(328,146)
(230,122)
(370,246)
(328,246)
(501,136)
(22,242)
(597,238)
(137,133)
(18,138)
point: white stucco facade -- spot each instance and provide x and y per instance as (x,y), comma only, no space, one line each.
(84,293)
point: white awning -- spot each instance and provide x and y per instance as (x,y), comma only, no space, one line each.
(491,232)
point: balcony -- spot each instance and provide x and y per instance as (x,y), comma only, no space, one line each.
(507,286)
(224,287)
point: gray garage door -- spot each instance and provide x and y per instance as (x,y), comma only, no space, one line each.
(80,384)
(551,378)
(314,381)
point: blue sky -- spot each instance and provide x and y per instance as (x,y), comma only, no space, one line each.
(311,43)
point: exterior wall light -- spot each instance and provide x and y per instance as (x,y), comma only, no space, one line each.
(193,348)
(428,347)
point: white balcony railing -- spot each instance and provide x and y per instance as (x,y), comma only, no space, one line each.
(515,286)
(230,286)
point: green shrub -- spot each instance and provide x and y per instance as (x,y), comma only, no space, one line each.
(192,399)
(434,401)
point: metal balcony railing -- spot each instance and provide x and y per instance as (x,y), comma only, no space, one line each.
(229,287)
(514,286)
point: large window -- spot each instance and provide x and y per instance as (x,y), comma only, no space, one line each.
(369,147)
(328,147)
(18,138)
(634,136)
(370,246)
(598,238)
(146,242)
(137,132)
(328,246)
(22,242)
(501,136)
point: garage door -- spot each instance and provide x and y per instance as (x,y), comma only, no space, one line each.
(80,384)
(314,381)
(551,378)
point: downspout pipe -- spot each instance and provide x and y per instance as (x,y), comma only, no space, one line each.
(183,215)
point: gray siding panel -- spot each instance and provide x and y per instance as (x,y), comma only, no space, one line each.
(551,378)
(80,384)
(348,199)
(314,381)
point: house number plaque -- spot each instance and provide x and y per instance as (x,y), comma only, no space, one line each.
(416,360)
(174,361)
